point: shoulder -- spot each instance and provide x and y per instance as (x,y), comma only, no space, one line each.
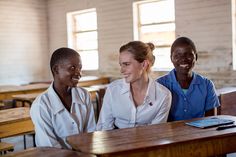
(116,84)
(166,78)
(162,89)
(42,98)
(203,80)
(40,103)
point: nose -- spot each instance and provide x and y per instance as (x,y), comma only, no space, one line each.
(78,72)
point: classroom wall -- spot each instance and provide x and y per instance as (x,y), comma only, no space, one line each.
(23,41)
(31,30)
(207,22)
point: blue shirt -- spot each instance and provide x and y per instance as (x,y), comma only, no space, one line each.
(200,97)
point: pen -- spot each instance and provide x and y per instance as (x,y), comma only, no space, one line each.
(223,127)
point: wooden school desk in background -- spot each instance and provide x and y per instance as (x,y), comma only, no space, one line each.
(85,81)
(27,99)
(227,97)
(15,121)
(48,152)
(6,92)
(166,139)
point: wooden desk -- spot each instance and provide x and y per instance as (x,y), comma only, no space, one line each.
(164,140)
(48,152)
(29,98)
(6,92)
(24,98)
(15,121)
(87,81)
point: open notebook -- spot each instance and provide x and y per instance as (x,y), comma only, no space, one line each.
(210,122)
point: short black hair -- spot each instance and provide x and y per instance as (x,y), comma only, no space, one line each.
(183,41)
(60,55)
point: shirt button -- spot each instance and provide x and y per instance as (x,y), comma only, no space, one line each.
(185,110)
(185,99)
(73,122)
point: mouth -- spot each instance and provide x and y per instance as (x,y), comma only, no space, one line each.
(75,79)
(125,75)
(184,65)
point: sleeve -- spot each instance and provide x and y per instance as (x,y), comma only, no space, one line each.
(44,131)
(212,99)
(163,113)
(106,119)
(91,124)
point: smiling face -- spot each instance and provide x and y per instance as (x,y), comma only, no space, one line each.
(68,71)
(183,58)
(130,68)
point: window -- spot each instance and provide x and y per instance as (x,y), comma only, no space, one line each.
(154,21)
(233,4)
(82,36)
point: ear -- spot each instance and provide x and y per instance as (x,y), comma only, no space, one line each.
(55,69)
(145,64)
(171,58)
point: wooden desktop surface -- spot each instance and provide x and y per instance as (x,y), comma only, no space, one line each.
(30,97)
(6,92)
(15,121)
(167,139)
(47,152)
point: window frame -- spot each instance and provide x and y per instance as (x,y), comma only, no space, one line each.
(72,35)
(138,26)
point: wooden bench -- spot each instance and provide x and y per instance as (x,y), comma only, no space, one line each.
(228,103)
(4,147)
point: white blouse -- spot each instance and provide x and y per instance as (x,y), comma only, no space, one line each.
(119,109)
(52,121)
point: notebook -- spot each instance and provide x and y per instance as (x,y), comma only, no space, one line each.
(210,122)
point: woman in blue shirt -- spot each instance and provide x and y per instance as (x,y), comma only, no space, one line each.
(193,95)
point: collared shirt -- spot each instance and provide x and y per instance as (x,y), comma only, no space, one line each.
(119,109)
(200,97)
(53,122)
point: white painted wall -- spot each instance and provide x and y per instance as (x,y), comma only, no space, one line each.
(23,41)
(31,30)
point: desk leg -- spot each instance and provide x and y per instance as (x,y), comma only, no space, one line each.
(24,137)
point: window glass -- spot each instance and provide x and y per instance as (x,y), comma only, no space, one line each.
(83,36)
(154,21)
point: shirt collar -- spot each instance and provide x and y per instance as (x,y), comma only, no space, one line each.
(57,105)
(172,77)
(126,87)
(151,91)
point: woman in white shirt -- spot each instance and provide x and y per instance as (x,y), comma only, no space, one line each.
(64,109)
(135,100)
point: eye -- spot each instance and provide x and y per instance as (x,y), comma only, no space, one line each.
(73,68)
(126,64)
